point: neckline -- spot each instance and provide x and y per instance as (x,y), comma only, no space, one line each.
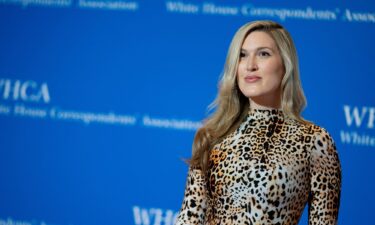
(265,112)
(254,105)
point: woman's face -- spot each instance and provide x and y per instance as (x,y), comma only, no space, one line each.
(260,70)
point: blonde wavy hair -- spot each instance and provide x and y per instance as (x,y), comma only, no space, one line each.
(232,106)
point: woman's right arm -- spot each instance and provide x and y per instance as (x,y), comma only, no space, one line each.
(194,204)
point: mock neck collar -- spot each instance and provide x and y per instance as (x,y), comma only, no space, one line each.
(265,112)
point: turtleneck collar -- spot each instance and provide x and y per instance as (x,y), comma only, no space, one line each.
(259,110)
(265,112)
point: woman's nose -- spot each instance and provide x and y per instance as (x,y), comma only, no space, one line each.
(251,64)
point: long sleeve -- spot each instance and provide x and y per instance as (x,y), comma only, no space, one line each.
(325,173)
(194,204)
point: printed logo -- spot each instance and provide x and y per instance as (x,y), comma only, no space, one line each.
(27,91)
(93,4)
(154,216)
(250,10)
(361,121)
(360,116)
(10,221)
(16,97)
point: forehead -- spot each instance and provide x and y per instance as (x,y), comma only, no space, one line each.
(258,39)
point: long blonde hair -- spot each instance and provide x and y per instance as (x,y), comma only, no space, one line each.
(232,106)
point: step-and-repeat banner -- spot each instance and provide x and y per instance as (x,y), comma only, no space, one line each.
(100,100)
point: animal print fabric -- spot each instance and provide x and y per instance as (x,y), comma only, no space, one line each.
(264,173)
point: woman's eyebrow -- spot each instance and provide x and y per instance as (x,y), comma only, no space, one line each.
(258,48)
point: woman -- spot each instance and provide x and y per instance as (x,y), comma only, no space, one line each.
(256,160)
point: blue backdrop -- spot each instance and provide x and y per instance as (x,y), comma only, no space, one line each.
(100,99)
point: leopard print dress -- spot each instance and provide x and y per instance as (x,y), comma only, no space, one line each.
(265,173)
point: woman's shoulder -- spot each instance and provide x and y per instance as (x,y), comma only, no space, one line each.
(316,132)
(322,140)
(310,127)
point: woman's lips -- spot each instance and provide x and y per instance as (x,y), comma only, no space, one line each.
(251,79)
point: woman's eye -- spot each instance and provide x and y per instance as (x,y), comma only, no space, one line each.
(264,53)
(242,55)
